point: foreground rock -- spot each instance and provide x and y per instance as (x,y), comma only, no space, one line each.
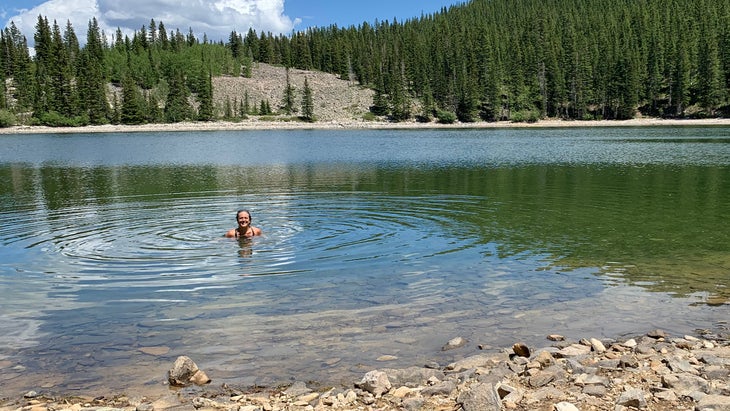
(185,372)
(652,372)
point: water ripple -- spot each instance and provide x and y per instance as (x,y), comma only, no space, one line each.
(134,243)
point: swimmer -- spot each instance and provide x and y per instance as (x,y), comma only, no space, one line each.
(244,229)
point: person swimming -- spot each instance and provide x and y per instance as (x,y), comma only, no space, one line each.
(244,229)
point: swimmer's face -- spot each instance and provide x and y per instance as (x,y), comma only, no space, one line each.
(243,218)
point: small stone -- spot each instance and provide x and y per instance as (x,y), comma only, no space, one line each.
(630,343)
(30,394)
(308,397)
(595,390)
(521,350)
(402,392)
(632,398)
(479,398)
(145,406)
(545,376)
(375,382)
(387,358)
(656,334)
(665,395)
(597,345)
(454,343)
(555,337)
(565,406)
(544,358)
(628,361)
(573,350)
(443,388)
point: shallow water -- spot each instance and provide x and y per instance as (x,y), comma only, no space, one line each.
(376,242)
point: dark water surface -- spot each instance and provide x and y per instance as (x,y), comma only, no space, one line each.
(376,242)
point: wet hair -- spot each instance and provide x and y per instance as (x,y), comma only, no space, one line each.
(243,210)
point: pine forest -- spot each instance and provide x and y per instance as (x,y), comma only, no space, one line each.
(482,60)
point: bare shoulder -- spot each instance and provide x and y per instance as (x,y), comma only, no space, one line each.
(256,231)
(231,233)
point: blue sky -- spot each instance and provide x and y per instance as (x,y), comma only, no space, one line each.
(216,18)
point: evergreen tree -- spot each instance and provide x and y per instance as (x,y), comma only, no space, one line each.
(287,104)
(43,64)
(228,109)
(712,89)
(154,113)
(92,80)
(3,92)
(63,97)
(19,67)
(246,107)
(307,102)
(205,96)
(242,113)
(133,110)
(177,108)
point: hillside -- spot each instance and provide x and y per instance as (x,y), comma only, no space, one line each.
(334,99)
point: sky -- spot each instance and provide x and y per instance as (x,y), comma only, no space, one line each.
(215,18)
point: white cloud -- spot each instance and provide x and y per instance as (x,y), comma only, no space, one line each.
(216,18)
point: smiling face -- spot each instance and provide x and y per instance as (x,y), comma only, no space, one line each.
(243,218)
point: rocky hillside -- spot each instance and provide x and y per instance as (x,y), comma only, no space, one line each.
(334,99)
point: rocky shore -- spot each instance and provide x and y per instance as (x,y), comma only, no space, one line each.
(654,371)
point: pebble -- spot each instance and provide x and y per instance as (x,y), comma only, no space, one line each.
(597,345)
(555,337)
(521,350)
(454,343)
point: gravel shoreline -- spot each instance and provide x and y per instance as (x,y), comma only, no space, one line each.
(654,371)
(348,124)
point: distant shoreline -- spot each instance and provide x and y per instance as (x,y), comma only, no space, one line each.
(253,124)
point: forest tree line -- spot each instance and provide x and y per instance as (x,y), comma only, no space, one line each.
(518,60)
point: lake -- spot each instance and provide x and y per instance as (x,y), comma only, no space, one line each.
(376,242)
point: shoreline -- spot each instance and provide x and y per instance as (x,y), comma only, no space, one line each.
(654,370)
(254,124)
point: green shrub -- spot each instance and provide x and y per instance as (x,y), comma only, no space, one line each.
(7,119)
(369,116)
(445,117)
(55,119)
(525,116)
